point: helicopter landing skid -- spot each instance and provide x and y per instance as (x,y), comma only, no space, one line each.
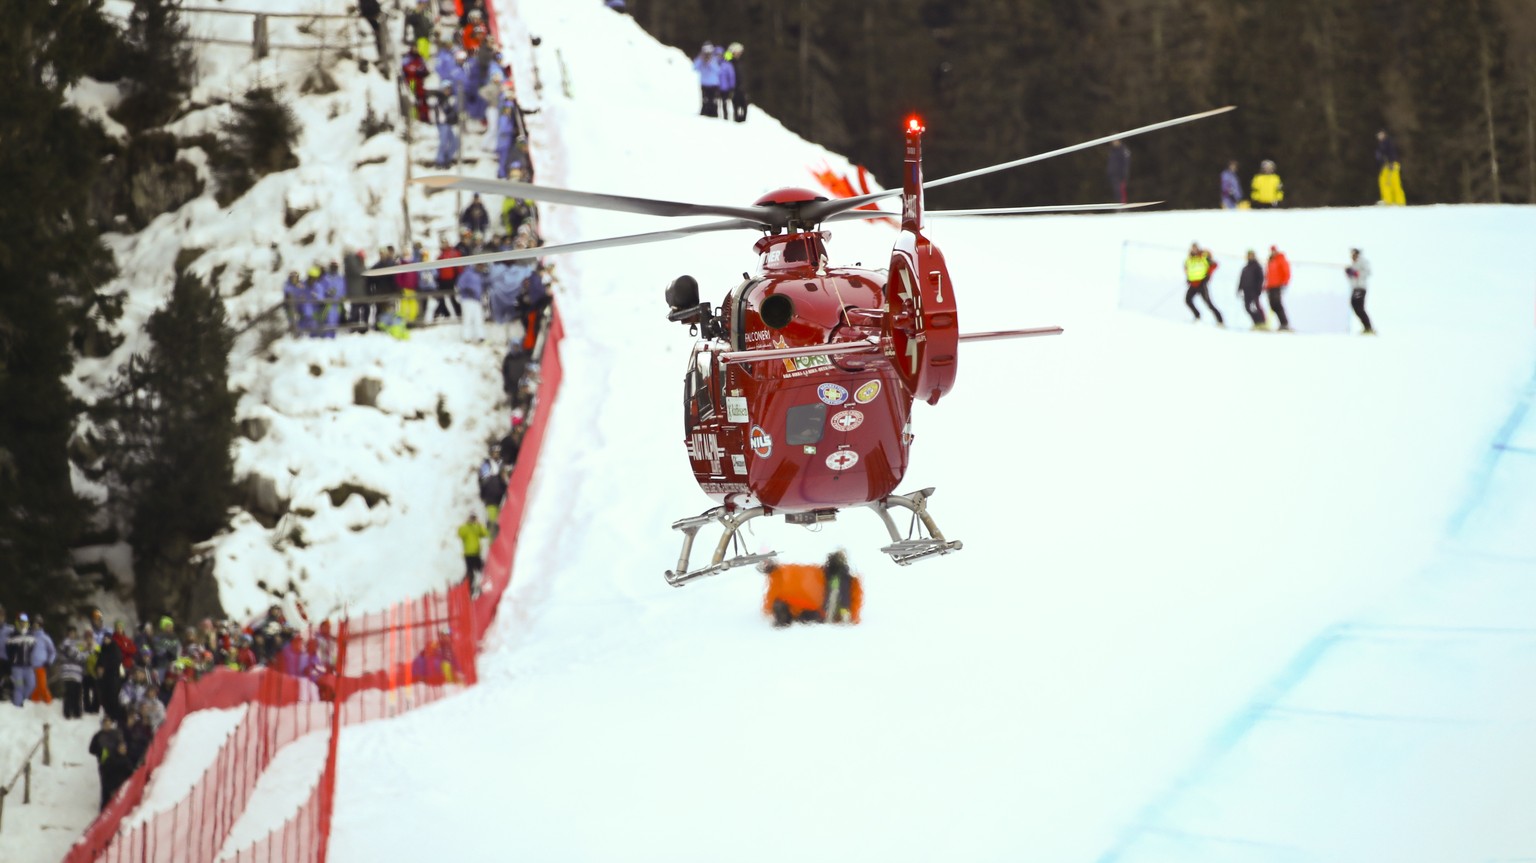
(732,522)
(915,545)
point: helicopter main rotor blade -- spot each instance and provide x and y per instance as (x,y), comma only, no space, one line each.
(1140,130)
(602,201)
(1063,208)
(852,215)
(545,251)
(822,210)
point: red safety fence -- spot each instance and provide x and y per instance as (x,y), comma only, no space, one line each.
(279,709)
(388,662)
(498,562)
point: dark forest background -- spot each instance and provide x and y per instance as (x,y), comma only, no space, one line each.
(1454,81)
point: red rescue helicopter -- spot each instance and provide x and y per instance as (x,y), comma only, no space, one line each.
(798,393)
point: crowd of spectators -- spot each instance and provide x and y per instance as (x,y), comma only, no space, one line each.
(455,76)
(129,675)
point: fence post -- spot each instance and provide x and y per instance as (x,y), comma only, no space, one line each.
(47,755)
(26,788)
(260,47)
(3,792)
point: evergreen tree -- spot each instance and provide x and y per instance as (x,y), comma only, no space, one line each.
(172,428)
(999,79)
(157,64)
(51,266)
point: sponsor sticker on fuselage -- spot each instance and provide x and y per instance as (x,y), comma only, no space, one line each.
(843,459)
(724,487)
(761,441)
(736,409)
(848,420)
(832,394)
(867,393)
(705,447)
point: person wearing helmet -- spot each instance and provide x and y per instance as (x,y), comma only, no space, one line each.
(727,86)
(1198,268)
(733,53)
(707,65)
(1267,191)
(19,647)
(471,535)
(1277,275)
(1359,272)
(1250,286)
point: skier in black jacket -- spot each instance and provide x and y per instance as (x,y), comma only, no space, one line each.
(1250,286)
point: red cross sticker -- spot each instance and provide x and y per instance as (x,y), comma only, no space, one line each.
(842,459)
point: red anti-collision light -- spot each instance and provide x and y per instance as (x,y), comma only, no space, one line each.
(915,124)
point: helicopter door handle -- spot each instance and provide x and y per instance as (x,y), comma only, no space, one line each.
(936,277)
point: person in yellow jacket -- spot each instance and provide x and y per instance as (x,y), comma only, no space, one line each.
(1390,176)
(1198,268)
(471,534)
(1267,191)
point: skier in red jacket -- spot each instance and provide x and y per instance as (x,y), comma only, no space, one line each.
(1277,275)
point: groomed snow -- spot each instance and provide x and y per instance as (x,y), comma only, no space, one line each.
(65,793)
(283,787)
(191,753)
(1158,519)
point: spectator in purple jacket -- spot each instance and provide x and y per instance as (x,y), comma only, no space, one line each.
(727,86)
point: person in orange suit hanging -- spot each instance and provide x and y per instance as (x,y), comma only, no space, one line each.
(808,593)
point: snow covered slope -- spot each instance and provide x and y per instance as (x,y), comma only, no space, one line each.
(371,493)
(1157,520)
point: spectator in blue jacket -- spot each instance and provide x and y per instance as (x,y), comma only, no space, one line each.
(1231,189)
(727,86)
(333,291)
(300,300)
(43,655)
(506,133)
(707,65)
(450,76)
(477,71)
(446,118)
(471,288)
(18,652)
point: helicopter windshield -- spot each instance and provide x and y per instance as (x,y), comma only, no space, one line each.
(805,247)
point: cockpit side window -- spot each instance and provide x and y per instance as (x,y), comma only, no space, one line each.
(704,367)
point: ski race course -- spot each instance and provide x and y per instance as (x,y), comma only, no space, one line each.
(1224,595)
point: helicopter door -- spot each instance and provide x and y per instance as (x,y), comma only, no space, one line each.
(704,411)
(699,391)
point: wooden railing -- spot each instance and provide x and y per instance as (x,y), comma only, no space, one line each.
(24,773)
